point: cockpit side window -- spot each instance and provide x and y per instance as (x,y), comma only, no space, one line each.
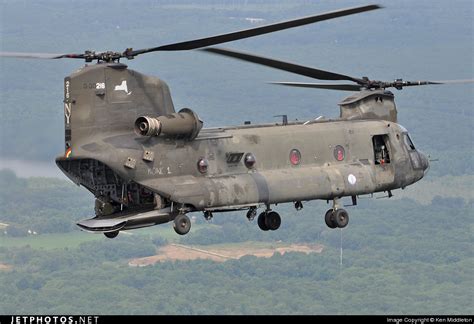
(409,144)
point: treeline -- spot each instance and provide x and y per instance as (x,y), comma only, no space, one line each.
(41,205)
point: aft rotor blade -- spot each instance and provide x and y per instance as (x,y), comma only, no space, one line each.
(223,38)
(47,56)
(334,86)
(282,65)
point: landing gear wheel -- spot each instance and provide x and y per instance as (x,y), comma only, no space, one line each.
(182,224)
(261,221)
(251,213)
(341,218)
(111,235)
(208,215)
(272,221)
(329,219)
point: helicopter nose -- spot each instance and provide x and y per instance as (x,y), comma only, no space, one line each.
(425,163)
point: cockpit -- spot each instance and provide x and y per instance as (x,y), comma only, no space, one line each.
(417,158)
(408,142)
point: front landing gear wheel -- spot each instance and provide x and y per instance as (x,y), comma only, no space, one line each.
(261,222)
(111,235)
(341,218)
(272,221)
(182,224)
(329,219)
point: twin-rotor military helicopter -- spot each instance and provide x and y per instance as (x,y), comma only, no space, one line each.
(147,164)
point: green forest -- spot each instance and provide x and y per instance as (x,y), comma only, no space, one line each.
(411,254)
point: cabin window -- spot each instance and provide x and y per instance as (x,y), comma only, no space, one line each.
(381,152)
(295,157)
(409,144)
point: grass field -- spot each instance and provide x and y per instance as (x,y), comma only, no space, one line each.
(74,239)
(49,241)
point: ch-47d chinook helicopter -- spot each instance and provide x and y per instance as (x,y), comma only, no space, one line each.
(147,164)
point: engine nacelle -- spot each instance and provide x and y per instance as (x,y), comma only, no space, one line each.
(184,124)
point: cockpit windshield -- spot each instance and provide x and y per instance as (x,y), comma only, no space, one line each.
(409,144)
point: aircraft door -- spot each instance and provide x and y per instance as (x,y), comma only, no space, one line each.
(384,173)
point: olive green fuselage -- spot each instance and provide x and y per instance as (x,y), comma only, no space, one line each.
(293,162)
(174,173)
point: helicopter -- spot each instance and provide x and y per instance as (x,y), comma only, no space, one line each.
(147,164)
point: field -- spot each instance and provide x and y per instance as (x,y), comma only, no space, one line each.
(74,239)
(222,252)
(49,241)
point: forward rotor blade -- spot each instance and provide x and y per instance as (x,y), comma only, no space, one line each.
(47,56)
(334,86)
(223,38)
(415,83)
(281,65)
(400,84)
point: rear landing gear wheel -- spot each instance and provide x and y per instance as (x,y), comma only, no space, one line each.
(208,215)
(272,221)
(182,224)
(251,213)
(329,219)
(341,218)
(111,235)
(261,222)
